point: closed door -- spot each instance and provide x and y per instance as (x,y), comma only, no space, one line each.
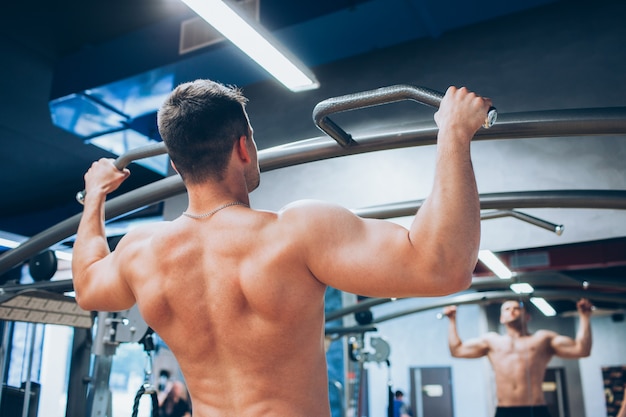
(555,393)
(431,392)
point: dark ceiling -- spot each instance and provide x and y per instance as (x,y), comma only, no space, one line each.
(41,165)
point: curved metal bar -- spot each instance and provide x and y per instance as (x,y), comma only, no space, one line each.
(408,208)
(60,286)
(355,308)
(142,152)
(483,286)
(590,199)
(366,99)
(124,160)
(488,296)
(383,95)
(544,224)
(342,331)
(143,196)
(581,122)
(552,123)
(172,186)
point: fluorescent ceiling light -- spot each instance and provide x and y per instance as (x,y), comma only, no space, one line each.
(543,306)
(256,42)
(522,288)
(492,262)
(8,243)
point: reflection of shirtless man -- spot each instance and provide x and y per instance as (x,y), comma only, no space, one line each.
(519,358)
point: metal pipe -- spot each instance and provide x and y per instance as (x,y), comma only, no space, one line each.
(29,369)
(171,186)
(592,199)
(143,196)
(124,160)
(579,122)
(362,100)
(488,296)
(355,308)
(384,95)
(342,331)
(4,351)
(478,285)
(551,123)
(544,224)
(60,286)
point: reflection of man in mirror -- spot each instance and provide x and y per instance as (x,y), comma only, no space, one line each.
(519,358)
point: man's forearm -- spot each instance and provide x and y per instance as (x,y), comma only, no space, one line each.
(454,341)
(453,212)
(583,336)
(449,219)
(460,202)
(91,243)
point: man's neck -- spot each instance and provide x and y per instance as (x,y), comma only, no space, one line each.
(516,330)
(210,195)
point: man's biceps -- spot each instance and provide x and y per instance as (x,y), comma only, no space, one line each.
(476,342)
(472,351)
(470,348)
(98,272)
(102,273)
(561,342)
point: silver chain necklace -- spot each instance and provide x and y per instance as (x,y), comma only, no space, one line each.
(210,213)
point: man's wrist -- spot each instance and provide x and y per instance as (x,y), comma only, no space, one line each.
(96,194)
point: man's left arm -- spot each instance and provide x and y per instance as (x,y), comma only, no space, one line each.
(580,347)
(97,281)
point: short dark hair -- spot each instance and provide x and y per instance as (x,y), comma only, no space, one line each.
(519,302)
(200,122)
(399,394)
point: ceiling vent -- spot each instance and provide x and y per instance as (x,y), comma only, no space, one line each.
(530,260)
(196,33)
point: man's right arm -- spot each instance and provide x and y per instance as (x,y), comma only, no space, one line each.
(438,253)
(450,217)
(473,348)
(580,347)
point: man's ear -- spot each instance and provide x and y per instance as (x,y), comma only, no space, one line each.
(242,149)
(173,166)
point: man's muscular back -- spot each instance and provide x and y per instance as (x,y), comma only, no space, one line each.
(227,310)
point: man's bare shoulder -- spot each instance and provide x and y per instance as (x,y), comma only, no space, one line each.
(543,334)
(307,206)
(497,341)
(147,229)
(318,212)
(493,337)
(139,234)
